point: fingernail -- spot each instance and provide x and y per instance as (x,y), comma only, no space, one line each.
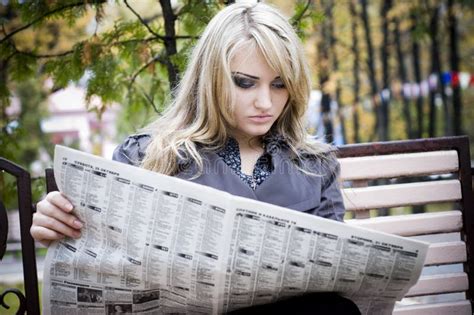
(78,224)
(69,206)
(77,234)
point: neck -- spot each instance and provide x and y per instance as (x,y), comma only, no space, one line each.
(250,150)
(249,143)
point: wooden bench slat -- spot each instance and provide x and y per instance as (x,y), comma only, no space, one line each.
(397,165)
(438,238)
(414,224)
(452,308)
(446,253)
(401,194)
(437,284)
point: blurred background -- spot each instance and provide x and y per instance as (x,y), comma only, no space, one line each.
(88,73)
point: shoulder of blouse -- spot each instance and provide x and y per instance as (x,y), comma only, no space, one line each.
(132,150)
(325,164)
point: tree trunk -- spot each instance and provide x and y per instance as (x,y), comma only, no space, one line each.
(371,64)
(323,61)
(335,68)
(384,127)
(417,73)
(355,71)
(454,61)
(402,72)
(170,42)
(435,70)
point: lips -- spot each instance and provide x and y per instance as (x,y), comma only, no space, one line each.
(261,118)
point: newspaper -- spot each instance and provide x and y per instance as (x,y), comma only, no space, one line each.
(155,244)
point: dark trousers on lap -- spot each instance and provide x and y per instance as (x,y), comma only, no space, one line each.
(313,303)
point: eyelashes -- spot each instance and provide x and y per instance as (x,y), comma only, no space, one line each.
(243,83)
(247,83)
(279,84)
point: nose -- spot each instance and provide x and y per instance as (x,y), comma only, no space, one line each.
(263,99)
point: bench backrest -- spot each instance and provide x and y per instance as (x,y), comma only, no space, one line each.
(411,173)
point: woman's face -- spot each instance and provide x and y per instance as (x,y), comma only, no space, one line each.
(260,94)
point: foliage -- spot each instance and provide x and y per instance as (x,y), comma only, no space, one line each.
(126,63)
(305,16)
(22,136)
(22,140)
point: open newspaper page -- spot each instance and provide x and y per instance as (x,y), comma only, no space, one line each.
(151,243)
(276,253)
(155,244)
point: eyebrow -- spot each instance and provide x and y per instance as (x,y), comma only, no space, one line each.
(251,76)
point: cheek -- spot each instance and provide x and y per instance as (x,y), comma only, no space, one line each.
(243,100)
(281,99)
(239,107)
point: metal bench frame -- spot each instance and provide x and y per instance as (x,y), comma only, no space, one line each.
(30,301)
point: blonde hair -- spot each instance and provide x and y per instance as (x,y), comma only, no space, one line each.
(202,110)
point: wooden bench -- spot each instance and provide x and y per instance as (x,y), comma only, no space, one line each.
(419,172)
(401,174)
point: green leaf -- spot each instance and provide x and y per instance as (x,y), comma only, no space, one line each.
(22,67)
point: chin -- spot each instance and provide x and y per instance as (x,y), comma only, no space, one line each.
(259,133)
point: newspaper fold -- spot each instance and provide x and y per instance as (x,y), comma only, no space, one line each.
(155,244)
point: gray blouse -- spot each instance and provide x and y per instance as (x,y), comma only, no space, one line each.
(285,185)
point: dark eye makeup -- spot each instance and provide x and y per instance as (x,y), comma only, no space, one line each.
(242,82)
(278,84)
(247,83)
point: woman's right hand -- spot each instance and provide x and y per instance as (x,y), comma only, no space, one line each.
(53,219)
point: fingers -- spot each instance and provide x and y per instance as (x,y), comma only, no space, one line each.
(58,199)
(47,227)
(44,235)
(58,209)
(53,220)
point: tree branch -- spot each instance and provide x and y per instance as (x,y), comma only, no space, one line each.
(72,5)
(68,6)
(141,19)
(150,100)
(68,52)
(153,60)
(43,56)
(297,19)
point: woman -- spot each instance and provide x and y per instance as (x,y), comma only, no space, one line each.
(235,124)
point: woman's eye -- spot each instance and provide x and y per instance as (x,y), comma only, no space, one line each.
(243,83)
(278,85)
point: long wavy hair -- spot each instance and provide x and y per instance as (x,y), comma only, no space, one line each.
(201,113)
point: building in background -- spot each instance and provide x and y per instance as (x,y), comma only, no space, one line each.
(71,124)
